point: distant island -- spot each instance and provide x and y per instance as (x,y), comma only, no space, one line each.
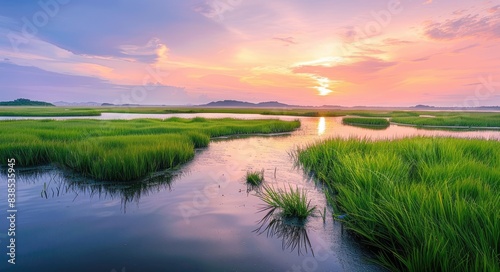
(423,107)
(25,102)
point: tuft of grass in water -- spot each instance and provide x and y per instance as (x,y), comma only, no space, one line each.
(379,122)
(255,178)
(424,204)
(293,203)
(119,150)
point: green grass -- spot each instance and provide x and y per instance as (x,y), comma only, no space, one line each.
(378,113)
(453,119)
(293,203)
(48,111)
(358,121)
(425,204)
(120,150)
(442,118)
(255,178)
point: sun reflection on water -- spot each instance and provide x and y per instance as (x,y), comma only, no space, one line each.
(321,126)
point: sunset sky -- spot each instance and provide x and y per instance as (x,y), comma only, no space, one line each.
(322,52)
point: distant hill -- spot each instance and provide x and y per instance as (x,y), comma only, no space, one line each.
(273,104)
(242,104)
(481,108)
(25,102)
(229,103)
(76,104)
(423,107)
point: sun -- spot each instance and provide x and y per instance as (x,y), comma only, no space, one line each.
(323,91)
(324,85)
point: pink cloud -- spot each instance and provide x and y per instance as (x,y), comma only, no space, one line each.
(494,9)
(393,41)
(356,72)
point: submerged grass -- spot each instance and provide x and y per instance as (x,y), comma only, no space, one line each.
(358,121)
(425,204)
(293,203)
(120,150)
(255,178)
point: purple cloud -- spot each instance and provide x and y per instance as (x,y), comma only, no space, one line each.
(467,26)
(288,40)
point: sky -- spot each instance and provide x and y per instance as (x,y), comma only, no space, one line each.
(300,52)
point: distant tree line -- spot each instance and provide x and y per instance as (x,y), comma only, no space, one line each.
(25,102)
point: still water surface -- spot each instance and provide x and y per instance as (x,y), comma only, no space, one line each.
(201,217)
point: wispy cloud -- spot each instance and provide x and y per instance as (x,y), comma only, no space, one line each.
(355,72)
(287,40)
(151,51)
(485,26)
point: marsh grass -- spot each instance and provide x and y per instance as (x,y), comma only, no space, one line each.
(293,203)
(48,111)
(357,121)
(120,150)
(425,204)
(443,118)
(255,178)
(462,119)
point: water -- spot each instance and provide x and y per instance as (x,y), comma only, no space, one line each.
(200,217)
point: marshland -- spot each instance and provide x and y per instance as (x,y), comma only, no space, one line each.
(409,117)
(428,204)
(120,150)
(165,189)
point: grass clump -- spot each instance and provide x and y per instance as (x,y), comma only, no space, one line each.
(293,203)
(425,204)
(255,178)
(357,121)
(119,150)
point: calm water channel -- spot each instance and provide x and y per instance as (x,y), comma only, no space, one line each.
(201,217)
